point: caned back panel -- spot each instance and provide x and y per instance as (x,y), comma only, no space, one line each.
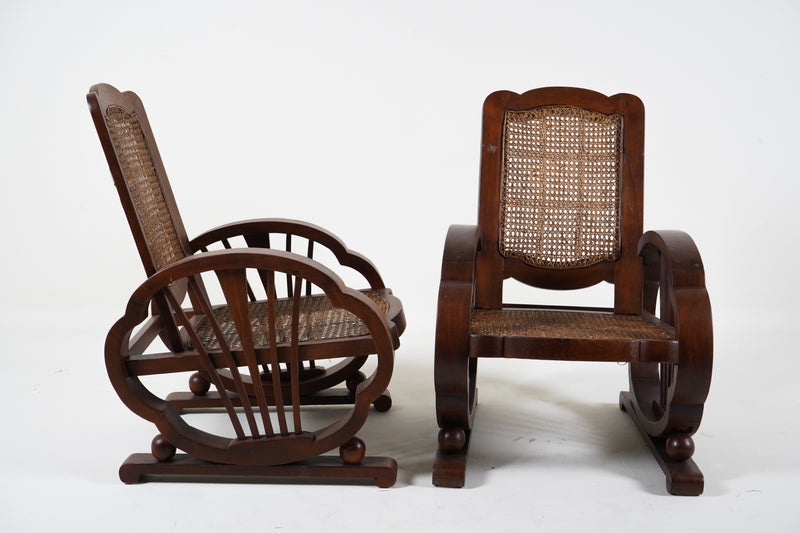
(560,193)
(139,173)
(143,189)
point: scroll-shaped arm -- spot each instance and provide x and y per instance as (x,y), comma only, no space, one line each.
(453,374)
(672,265)
(256,232)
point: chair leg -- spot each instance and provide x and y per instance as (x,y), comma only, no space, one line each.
(673,454)
(456,397)
(450,464)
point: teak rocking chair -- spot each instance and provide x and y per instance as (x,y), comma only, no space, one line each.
(224,317)
(561,208)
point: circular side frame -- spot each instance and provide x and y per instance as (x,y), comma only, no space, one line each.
(669,397)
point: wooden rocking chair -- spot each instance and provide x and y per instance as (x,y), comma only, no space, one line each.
(255,339)
(561,208)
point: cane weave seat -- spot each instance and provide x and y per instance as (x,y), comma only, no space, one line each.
(569,325)
(318,320)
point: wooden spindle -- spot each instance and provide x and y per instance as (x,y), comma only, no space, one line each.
(233,283)
(273,353)
(294,354)
(210,369)
(288,275)
(310,256)
(200,301)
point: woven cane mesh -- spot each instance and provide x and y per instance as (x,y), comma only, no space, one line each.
(140,175)
(568,325)
(319,320)
(560,204)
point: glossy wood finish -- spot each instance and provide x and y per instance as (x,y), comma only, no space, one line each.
(261,374)
(669,378)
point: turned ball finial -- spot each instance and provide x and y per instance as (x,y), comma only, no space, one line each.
(679,447)
(452,439)
(383,403)
(162,449)
(198,384)
(353,451)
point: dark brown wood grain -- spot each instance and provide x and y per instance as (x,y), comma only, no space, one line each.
(669,378)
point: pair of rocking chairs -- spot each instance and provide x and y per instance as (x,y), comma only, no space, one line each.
(560,208)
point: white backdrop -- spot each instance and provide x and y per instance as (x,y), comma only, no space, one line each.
(364,118)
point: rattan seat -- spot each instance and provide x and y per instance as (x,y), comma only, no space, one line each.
(569,325)
(555,335)
(318,321)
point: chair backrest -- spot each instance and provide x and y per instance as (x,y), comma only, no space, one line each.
(143,188)
(561,192)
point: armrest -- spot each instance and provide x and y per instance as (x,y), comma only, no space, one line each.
(679,253)
(460,250)
(672,265)
(254,232)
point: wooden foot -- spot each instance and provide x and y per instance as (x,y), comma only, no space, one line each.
(353,451)
(162,449)
(684,478)
(383,403)
(198,384)
(450,463)
(141,467)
